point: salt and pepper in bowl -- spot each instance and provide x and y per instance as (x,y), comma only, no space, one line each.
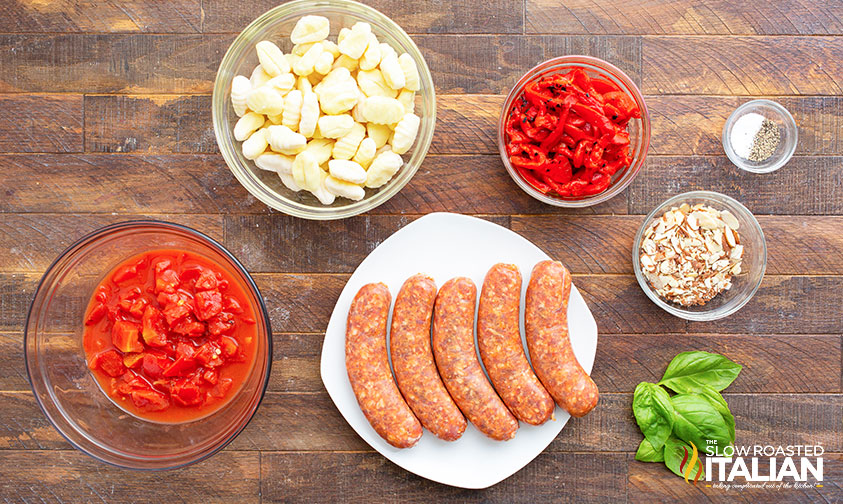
(760,136)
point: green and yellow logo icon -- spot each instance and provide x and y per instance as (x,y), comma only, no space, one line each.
(686,467)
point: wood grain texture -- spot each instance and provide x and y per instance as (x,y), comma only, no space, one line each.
(361,477)
(685,125)
(41,123)
(804,186)
(67,16)
(428,16)
(703,17)
(152,124)
(304,302)
(69,476)
(742,65)
(603,244)
(102,63)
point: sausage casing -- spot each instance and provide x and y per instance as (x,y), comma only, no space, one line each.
(412,359)
(456,359)
(499,340)
(553,358)
(368,368)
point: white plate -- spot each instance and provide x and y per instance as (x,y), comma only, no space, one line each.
(445,245)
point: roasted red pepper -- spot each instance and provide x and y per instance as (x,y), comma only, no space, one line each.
(567,133)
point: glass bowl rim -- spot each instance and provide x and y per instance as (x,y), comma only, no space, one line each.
(165,225)
(570,60)
(700,316)
(271,198)
(790,124)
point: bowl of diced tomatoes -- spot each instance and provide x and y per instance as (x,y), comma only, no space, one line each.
(148,345)
(574,131)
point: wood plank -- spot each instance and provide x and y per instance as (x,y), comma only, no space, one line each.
(492,64)
(30,242)
(124,183)
(279,243)
(310,422)
(742,65)
(358,477)
(128,63)
(796,245)
(69,476)
(430,16)
(152,124)
(203,184)
(686,125)
(467,124)
(654,483)
(65,16)
(156,64)
(304,302)
(40,123)
(667,17)
(805,186)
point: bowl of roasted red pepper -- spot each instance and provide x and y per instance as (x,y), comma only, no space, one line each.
(574,131)
(148,345)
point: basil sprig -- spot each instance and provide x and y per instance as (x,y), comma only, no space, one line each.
(697,414)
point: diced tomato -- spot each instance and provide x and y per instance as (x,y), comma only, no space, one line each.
(185,350)
(186,392)
(222,323)
(137,308)
(153,365)
(126,336)
(228,346)
(110,362)
(211,376)
(154,333)
(96,314)
(188,326)
(221,388)
(125,273)
(206,281)
(209,355)
(132,360)
(102,293)
(208,304)
(180,367)
(176,311)
(229,303)
(166,281)
(150,400)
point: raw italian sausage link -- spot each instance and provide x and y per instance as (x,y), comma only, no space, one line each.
(546,317)
(368,368)
(456,359)
(412,360)
(499,339)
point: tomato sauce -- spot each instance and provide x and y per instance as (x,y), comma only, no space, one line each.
(170,336)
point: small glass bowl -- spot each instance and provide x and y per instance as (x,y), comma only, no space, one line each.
(788,136)
(276,25)
(639,129)
(744,285)
(68,393)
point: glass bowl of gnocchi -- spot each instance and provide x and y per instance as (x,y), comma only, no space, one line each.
(323,109)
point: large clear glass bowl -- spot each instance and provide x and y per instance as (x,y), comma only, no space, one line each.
(744,285)
(69,394)
(639,129)
(241,59)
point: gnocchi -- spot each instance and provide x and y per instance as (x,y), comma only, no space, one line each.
(330,118)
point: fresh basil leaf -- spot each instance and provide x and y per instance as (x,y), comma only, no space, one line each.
(721,406)
(653,412)
(688,371)
(698,422)
(675,451)
(646,452)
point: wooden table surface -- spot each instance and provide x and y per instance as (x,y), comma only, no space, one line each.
(105,116)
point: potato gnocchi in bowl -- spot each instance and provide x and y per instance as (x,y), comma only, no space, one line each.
(328,118)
